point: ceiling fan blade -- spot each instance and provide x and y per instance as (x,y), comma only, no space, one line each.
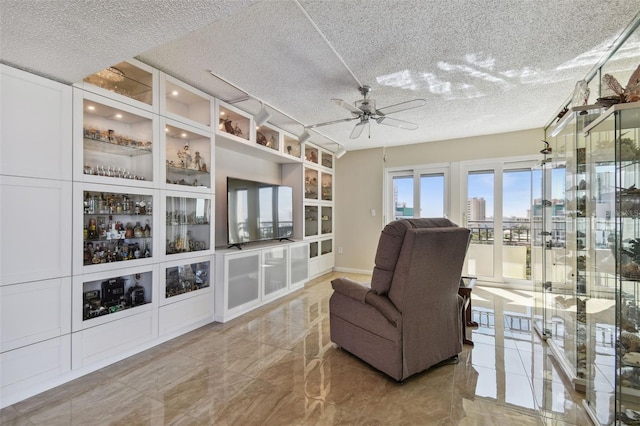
(401,124)
(402,106)
(357,130)
(326,123)
(348,106)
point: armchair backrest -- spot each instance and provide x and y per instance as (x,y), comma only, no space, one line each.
(389,246)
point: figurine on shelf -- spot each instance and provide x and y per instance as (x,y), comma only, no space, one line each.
(225,124)
(185,157)
(237,130)
(196,162)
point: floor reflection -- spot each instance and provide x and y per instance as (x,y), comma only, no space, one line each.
(277,366)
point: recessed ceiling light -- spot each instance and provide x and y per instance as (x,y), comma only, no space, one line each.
(184,135)
(174,93)
(166,129)
(221,112)
(91,107)
(118,115)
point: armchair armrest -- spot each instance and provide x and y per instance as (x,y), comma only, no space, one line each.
(350,288)
(385,307)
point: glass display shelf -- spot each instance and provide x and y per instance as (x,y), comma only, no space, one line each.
(311,154)
(292,147)
(117,227)
(327,220)
(117,143)
(233,123)
(188,154)
(310,184)
(186,278)
(310,221)
(268,137)
(188,227)
(108,296)
(327,187)
(183,102)
(125,79)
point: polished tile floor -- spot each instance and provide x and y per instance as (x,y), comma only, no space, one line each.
(277,366)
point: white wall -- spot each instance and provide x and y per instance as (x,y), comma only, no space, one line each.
(360,178)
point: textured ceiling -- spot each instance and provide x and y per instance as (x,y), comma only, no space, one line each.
(483,67)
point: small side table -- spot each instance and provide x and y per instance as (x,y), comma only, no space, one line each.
(466,285)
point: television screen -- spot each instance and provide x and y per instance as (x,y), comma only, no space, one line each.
(258,211)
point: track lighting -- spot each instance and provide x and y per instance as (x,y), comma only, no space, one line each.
(304,137)
(263,116)
(340,152)
(547,148)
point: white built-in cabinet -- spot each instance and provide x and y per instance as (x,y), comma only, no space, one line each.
(257,274)
(108,201)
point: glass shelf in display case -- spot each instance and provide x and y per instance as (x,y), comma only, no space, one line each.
(327,220)
(310,184)
(107,296)
(310,221)
(234,123)
(311,154)
(268,137)
(292,147)
(185,104)
(116,227)
(188,225)
(117,142)
(130,79)
(188,156)
(327,187)
(613,271)
(186,278)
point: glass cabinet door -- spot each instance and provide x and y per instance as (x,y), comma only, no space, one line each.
(310,184)
(311,221)
(327,187)
(125,79)
(292,147)
(188,225)
(117,141)
(188,156)
(613,268)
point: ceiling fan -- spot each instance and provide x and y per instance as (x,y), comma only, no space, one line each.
(365,110)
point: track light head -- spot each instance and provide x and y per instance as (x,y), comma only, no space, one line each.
(304,137)
(340,152)
(263,116)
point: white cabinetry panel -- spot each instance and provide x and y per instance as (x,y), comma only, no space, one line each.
(30,366)
(186,314)
(35,311)
(114,340)
(36,126)
(35,229)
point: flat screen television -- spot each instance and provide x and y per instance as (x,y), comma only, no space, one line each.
(258,211)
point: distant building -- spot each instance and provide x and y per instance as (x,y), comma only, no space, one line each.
(476,209)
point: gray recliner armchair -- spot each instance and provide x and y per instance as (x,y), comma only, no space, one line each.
(409,318)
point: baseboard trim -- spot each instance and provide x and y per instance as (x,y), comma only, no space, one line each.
(354,271)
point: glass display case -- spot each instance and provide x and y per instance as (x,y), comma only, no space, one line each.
(188,227)
(183,102)
(613,267)
(565,242)
(108,296)
(233,122)
(292,147)
(326,247)
(327,160)
(117,227)
(327,187)
(310,184)
(188,156)
(326,220)
(126,79)
(186,278)
(311,154)
(117,140)
(268,137)
(310,221)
